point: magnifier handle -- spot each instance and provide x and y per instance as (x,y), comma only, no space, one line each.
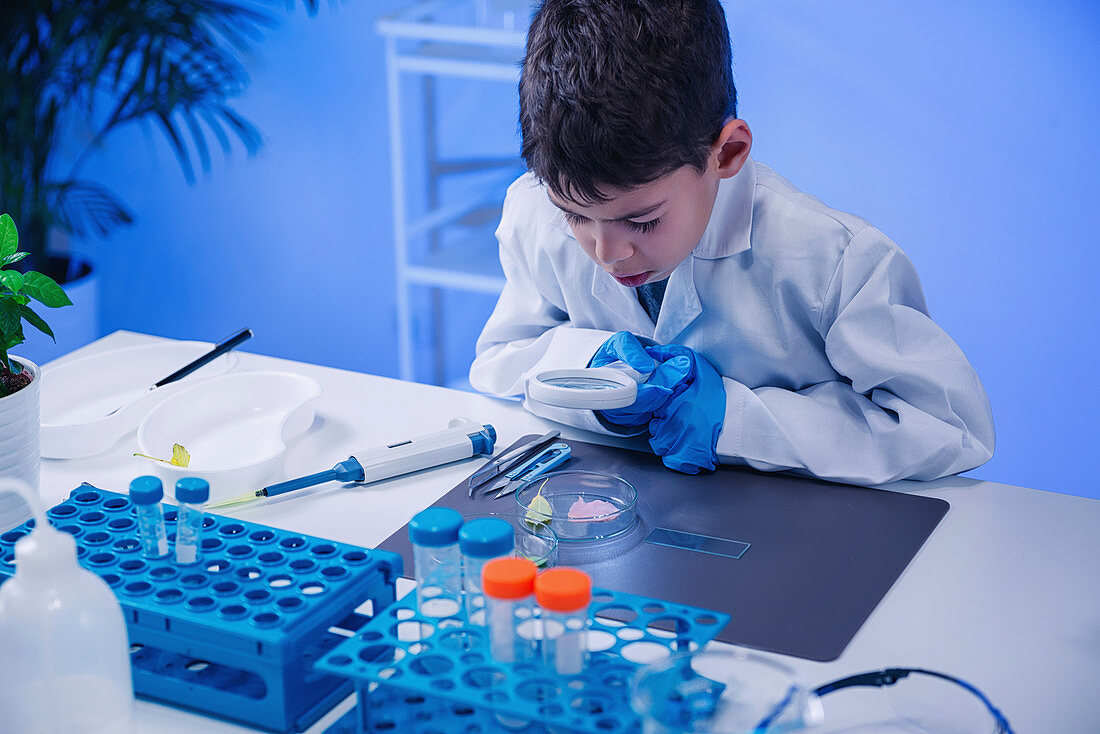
(626,369)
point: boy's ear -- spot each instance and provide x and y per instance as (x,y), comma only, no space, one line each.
(731,149)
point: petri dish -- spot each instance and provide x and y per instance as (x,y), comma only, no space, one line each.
(579,505)
(536,543)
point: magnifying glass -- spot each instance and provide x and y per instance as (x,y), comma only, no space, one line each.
(592,388)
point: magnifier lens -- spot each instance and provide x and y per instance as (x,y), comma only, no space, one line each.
(581,383)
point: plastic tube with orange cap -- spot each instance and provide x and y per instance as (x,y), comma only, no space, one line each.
(508,585)
(563,595)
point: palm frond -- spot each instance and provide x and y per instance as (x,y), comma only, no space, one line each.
(83,207)
(175,63)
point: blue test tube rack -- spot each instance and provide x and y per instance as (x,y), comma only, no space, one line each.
(235,636)
(416,674)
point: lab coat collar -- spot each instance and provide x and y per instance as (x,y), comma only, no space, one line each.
(727,233)
(622,301)
(730,226)
(681,304)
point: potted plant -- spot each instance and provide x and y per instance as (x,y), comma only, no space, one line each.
(19,378)
(81,70)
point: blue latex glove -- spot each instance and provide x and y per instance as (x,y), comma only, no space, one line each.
(684,431)
(683,403)
(625,347)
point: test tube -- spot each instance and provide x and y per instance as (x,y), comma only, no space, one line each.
(437,561)
(563,595)
(191,493)
(146,494)
(508,584)
(480,541)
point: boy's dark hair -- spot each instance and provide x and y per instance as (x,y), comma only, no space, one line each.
(617,93)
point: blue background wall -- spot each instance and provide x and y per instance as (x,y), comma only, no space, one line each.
(963,130)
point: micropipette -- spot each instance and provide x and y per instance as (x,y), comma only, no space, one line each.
(463,439)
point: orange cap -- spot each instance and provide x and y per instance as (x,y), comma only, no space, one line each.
(563,589)
(508,578)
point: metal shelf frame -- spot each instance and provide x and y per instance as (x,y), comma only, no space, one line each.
(432,39)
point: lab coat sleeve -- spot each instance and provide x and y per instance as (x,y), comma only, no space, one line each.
(529,330)
(907,405)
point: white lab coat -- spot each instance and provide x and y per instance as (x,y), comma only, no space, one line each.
(816,321)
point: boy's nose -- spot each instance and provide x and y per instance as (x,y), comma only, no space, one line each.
(611,250)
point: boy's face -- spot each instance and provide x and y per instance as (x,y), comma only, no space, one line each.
(641,234)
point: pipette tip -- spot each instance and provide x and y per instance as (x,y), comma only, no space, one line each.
(234,501)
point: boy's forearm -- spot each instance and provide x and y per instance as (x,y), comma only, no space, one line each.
(832,432)
(503,365)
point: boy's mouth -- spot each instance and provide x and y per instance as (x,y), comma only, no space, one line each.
(632,281)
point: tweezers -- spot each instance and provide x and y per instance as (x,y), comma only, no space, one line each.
(504,463)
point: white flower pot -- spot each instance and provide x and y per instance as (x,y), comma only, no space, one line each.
(19,448)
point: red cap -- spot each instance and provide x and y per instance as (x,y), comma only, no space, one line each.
(563,589)
(508,578)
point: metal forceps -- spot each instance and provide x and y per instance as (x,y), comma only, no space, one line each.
(510,460)
(552,456)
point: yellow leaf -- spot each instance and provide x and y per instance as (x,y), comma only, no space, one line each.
(180,457)
(539,511)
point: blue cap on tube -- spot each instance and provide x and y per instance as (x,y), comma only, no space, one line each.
(146,491)
(192,490)
(486,537)
(435,527)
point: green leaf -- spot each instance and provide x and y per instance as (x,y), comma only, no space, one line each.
(36,321)
(43,289)
(12,259)
(12,280)
(9,236)
(10,320)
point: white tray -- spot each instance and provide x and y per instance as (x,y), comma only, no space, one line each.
(78,395)
(235,427)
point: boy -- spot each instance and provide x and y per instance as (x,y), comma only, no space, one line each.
(780,334)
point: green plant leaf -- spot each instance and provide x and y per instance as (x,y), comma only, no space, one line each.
(43,289)
(9,236)
(12,259)
(12,280)
(36,321)
(11,323)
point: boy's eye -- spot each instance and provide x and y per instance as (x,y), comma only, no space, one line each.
(644,227)
(574,218)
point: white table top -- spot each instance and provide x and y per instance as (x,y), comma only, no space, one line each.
(1005,593)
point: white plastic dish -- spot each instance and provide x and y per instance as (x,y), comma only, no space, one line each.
(235,427)
(78,395)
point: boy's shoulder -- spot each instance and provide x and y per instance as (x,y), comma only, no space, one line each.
(779,203)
